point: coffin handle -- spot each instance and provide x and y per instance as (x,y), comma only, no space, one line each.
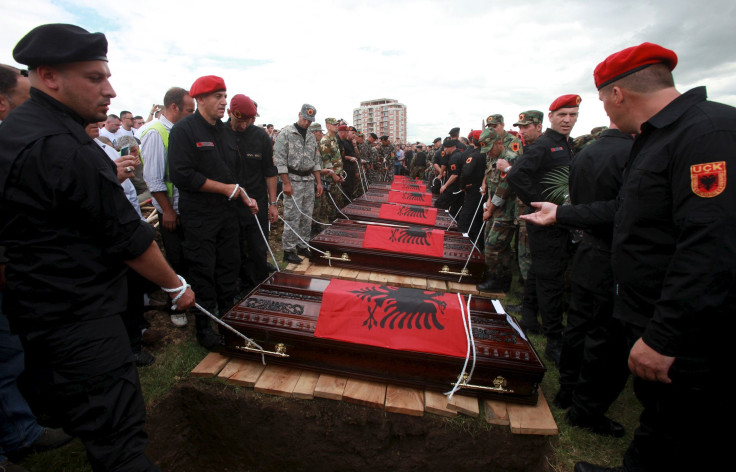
(280,350)
(499,385)
(446,270)
(330,257)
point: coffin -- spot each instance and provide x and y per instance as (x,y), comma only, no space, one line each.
(398,196)
(397,249)
(282,314)
(397,213)
(403,185)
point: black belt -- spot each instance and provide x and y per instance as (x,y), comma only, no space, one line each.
(301,173)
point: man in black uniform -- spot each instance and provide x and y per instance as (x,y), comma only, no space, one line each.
(471,180)
(257,173)
(70,232)
(451,197)
(592,364)
(543,290)
(203,163)
(436,155)
(674,258)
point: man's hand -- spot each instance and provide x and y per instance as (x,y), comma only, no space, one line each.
(287,189)
(319,189)
(186,301)
(442,189)
(125,167)
(502,164)
(547,214)
(169,220)
(273,213)
(648,364)
(488,211)
(249,202)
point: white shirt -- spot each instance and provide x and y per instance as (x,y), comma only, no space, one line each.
(154,159)
(127,184)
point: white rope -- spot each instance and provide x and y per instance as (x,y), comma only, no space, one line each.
(302,239)
(180,291)
(263,235)
(467,261)
(308,216)
(360,174)
(470,345)
(480,202)
(472,339)
(227,326)
(335,204)
(339,187)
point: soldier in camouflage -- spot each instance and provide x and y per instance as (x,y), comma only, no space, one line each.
(297,158)
(419,163)
(332,173)
(387,155)
(500,214)
(374,165)
(510,142)
(365,157)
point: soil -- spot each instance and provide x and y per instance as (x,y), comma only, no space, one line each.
(205,425)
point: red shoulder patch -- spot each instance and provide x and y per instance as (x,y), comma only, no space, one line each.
(467,161)
(453,167)
(708,180)
(515,147)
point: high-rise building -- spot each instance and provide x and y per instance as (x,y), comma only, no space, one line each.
(383,116)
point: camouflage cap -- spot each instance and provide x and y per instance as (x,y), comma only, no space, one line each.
(487,138)
(314,127)
(359,134)
(596,132)
(330,121)
(581,141)
(308,112)
(529,117)
(494,120)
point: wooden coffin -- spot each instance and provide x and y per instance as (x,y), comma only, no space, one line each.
(398,196)
(404,251)
(401,214)
(281,315)
(404,186)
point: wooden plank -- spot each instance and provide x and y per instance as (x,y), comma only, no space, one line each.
(495,412)
(436,403)
(395,280)
(330,386)
(532,419)
(304,388)
(248,374)
(301,268)
(462,288)
(363,276)
(417,282)
(371,394)
(378,277)
(291,267)
(315,270)
(404,400)
(465,405)
(348,274)
(277,380)
(330,272)
(232,368)
(210,366)
(436,285)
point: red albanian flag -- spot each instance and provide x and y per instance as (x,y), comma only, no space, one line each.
(404,319)
(408,213)
(423,242)
(410,198)
(409,186)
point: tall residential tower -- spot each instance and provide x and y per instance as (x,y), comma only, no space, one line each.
(383,116)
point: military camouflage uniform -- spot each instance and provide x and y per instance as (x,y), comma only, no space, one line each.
(331,159)
(365,154)
(387,154)
(299,158)
(513,144)
(501,228)
(374,172)
(417,171)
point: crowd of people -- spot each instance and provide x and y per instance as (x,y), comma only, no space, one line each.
(641,208)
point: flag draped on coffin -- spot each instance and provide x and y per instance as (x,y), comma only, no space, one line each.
(399,318)
(418,241)
(410,198)
(408,213)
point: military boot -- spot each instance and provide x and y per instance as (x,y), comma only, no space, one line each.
(554,349)
(494,285)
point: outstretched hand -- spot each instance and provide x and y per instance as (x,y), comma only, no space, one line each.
(545,215)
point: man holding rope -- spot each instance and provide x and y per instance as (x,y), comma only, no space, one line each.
(70,232)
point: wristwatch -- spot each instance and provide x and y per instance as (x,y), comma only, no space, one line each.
(272,203)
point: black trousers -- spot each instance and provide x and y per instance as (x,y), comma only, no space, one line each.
(212,251)
(449,200)
(681,426)
(471,212)
(253,251)
(545,285)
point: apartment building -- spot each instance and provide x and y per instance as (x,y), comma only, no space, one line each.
(383,116)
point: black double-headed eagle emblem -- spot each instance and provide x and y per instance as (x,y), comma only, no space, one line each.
(413,212)
(414,236)
(404,308)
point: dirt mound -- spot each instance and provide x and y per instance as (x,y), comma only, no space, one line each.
(208,426)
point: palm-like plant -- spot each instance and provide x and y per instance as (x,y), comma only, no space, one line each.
(558,187)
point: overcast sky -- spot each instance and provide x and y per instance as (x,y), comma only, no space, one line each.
(450,63)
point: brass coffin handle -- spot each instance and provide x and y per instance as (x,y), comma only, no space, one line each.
(280,350)
(499,386)
(329,256)
(446,270)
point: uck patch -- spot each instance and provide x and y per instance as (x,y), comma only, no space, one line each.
(708,180)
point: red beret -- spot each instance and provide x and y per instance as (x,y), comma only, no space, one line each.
(475,134)
(566,101)
(343,128)
(242,107)
(205,85)
(630,60)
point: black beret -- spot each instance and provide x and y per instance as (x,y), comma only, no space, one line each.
(454,132)
(374,135)
(436,139)
(384,138)
(60,44)
(449,142)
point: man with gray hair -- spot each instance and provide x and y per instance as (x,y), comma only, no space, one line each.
(14,89)
(297,159)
